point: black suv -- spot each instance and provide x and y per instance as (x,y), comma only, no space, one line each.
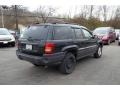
(57,44)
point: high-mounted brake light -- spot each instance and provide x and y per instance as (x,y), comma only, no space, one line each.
(49,48)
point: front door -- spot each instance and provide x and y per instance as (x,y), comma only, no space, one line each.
(90,41)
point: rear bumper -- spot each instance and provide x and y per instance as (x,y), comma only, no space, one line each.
(104,41)
(52,59)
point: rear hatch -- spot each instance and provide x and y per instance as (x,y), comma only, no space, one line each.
(33,39)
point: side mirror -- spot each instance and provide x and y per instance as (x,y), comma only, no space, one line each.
(95,36)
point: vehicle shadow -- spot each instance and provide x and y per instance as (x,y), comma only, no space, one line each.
(85,59)
(5,46)
(40,70)
(45,75)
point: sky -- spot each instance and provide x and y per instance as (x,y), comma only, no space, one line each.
(60,9)
(60,2)
(62,6)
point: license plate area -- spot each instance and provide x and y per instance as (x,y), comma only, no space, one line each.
(29,47)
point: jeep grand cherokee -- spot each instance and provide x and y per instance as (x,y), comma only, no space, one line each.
(57,44)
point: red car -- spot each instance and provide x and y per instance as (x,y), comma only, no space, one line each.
(106,34)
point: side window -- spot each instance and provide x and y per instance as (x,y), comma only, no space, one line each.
(87,34)
(78,33)
(63,32)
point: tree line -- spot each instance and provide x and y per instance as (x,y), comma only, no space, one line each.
(91,16)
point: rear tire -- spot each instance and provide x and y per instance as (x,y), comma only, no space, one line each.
(98,53)
(68,64)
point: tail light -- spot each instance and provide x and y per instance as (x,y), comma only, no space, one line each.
(49,48)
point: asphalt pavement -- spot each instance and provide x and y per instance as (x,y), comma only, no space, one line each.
(90,71)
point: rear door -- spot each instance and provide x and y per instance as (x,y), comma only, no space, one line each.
(79,41)
(62,37)
(89,41)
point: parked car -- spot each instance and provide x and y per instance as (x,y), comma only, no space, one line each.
(17,35)
(106,34)
(12,32)
(117,33)
(119,38)
(57,44)
(6,37)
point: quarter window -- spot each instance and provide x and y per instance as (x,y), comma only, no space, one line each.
(79,34)
(63,32)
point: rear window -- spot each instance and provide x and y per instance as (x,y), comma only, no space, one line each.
(36,32)
(63,32)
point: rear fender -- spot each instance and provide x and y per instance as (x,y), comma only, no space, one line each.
(71,47)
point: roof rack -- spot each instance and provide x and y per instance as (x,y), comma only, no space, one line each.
(57,23)
(37,23)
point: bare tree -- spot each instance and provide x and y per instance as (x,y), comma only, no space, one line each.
(105,12)
(86,11)
(117,13)
(91,11)
(116,19)
(45,12)
(98,11)
(83,11)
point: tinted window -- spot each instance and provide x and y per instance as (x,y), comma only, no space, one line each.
(63,32)
(86,33)
(36,32)
(4,32)
(78,33)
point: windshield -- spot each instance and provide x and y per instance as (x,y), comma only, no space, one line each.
(101,31)
(4,32)
(36,32)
